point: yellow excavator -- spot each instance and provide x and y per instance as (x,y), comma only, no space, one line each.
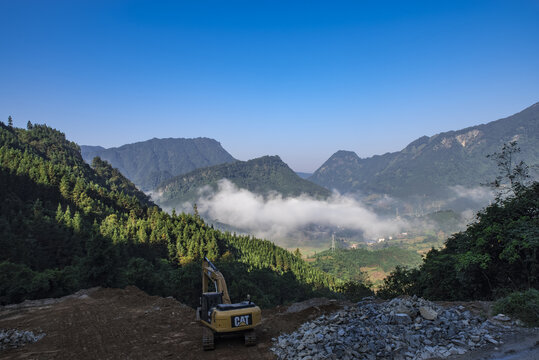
(219,316)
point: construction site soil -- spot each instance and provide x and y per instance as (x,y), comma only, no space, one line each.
(129,324)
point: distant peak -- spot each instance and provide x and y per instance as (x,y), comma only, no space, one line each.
(344,154)
(273,158)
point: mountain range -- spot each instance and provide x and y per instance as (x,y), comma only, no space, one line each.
(148,163)
(429,166)
(264,175)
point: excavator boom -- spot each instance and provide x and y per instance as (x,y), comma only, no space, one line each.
(210,272)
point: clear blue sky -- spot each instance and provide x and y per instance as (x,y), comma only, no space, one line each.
(300,79)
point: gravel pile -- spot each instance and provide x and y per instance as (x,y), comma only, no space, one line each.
(401,329)
(13,338)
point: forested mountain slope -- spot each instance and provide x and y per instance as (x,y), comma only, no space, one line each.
(65,225)
(261,176)
(430,165)
(148,163)
(494,256)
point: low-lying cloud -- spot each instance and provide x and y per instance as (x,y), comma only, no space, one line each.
(275,217)
(478,194)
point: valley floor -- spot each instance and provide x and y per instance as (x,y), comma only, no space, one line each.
(129,324)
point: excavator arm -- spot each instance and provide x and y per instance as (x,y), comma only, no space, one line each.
(210,273)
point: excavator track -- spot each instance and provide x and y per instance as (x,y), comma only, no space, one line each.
(250,338)
(208,342)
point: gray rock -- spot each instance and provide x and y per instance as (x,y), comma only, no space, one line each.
(428,313)
(490,339)
(402,319)
(13,338)
(501,318)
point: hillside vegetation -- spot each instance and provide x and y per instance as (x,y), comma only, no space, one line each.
(494,256)
(65,225)
(264,175)
(148,163)
(362,264)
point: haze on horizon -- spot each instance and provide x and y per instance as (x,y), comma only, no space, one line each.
(299,80)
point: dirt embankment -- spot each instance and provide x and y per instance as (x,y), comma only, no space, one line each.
(129,324)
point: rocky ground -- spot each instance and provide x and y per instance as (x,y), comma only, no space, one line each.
(13,338)
(129,324)
(403,328)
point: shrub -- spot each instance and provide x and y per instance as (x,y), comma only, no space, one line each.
(401,281)
(522,305)
(18,282)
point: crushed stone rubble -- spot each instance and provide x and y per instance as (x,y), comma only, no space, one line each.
(401,329)
(13,338)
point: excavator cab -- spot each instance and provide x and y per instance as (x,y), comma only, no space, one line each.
(208,303)
(219,316)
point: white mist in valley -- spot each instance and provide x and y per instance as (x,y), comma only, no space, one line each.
(275,217)
(480,194)
(304,220)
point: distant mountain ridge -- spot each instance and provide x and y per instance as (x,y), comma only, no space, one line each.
(430,165)
(304,175)
(148,163)
(261,175)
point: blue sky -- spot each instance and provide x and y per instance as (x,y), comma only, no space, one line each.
(299,79)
